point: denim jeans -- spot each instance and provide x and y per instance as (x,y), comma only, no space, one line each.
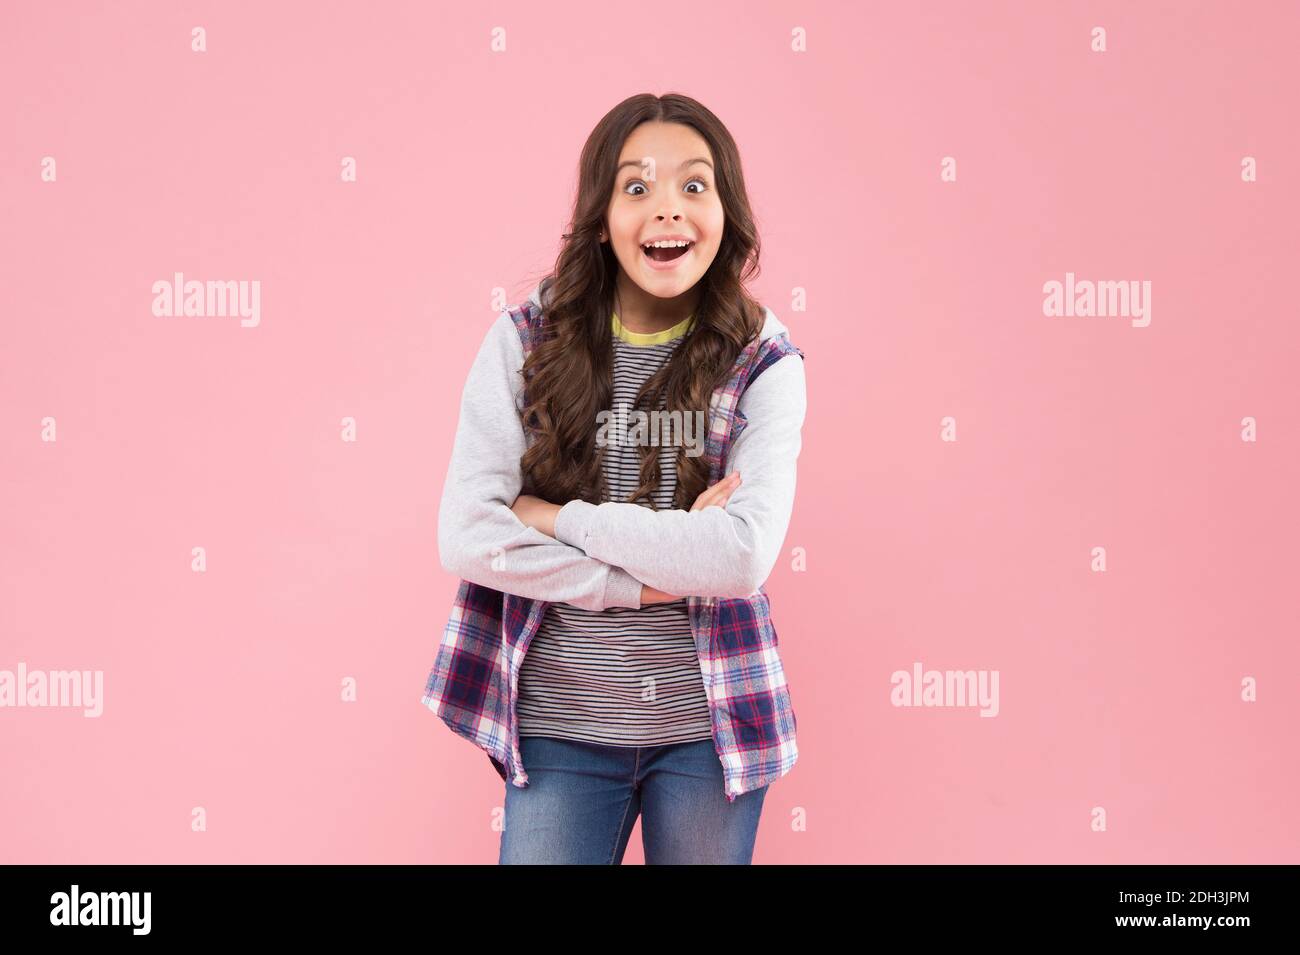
(582,800)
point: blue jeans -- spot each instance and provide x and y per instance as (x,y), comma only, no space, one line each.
(582,800)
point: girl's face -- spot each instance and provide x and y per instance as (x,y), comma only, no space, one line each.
(664,188)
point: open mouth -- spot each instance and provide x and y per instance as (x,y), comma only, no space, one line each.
(661,253)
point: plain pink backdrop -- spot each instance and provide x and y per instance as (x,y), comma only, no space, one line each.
(222,689)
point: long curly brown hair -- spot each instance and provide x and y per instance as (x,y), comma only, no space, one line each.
(568,375)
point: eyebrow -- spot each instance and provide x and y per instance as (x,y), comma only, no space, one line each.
(637,162)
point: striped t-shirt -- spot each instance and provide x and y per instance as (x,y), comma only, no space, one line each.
(620,676)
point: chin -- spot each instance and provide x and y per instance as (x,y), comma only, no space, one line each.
(669,286)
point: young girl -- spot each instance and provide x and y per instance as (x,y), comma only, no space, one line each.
(611,647)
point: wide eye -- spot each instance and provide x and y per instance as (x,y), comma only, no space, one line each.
(704,186)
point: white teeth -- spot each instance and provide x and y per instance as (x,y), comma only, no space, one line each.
(666,244)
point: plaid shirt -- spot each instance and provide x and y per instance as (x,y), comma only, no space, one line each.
(474,683)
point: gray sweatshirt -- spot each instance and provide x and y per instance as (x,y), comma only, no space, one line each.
(604,552)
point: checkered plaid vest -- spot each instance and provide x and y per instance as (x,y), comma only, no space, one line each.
(474,683)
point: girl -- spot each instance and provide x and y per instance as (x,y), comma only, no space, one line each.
(611,647)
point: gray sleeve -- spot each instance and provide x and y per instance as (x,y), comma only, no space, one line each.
(715,552)
(479,537)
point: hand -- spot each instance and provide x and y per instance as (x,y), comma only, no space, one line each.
(718,494)
(536,513)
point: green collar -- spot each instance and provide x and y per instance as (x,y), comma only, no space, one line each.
(650,338)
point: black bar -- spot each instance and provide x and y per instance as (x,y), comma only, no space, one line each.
(743,905)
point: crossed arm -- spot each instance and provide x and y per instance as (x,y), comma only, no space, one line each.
(600,555)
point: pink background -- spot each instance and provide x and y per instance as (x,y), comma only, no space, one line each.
(222,689)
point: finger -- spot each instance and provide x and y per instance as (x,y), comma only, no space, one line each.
(728,488)
(725,499)
(721,491)
(704,498)
(708,498)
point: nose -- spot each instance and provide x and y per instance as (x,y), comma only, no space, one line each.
(671,207)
